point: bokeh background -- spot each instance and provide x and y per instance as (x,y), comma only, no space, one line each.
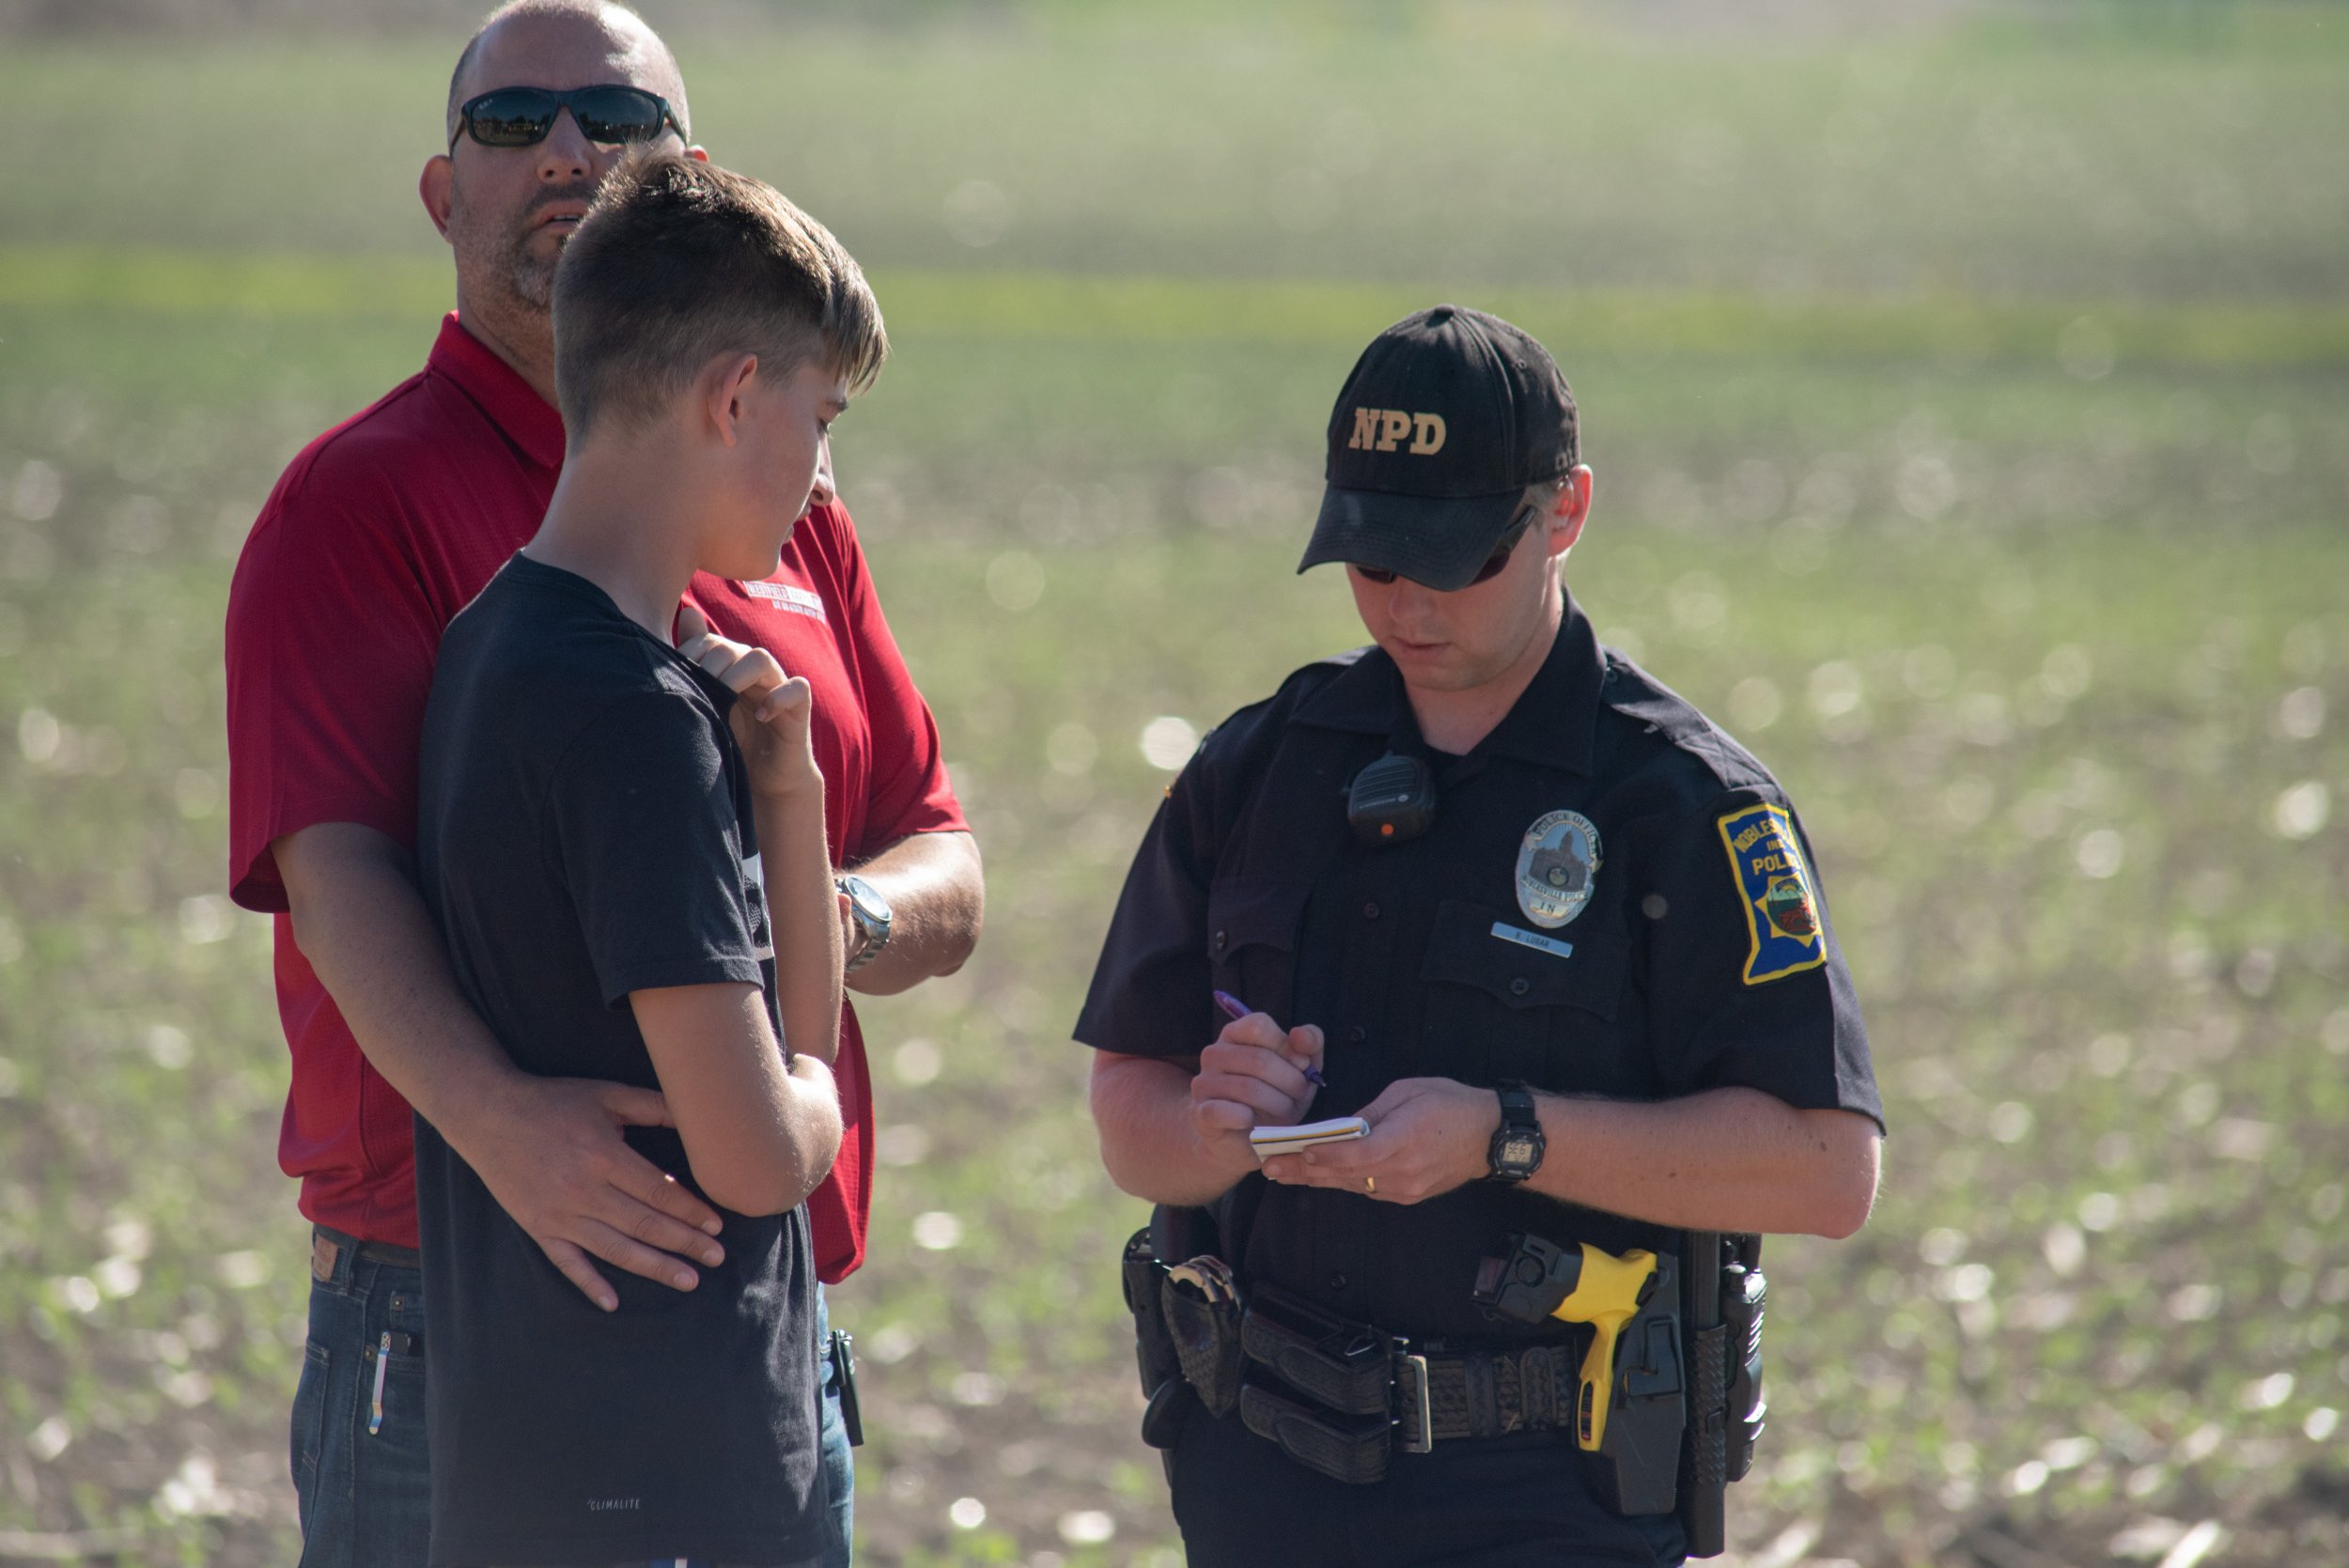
(1968,391)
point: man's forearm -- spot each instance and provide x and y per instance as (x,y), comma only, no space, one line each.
(1150,1142)
(549,1150)
(365,931)
(937,902)
(1727,1160)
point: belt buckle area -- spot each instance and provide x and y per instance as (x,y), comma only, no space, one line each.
(1416,1434)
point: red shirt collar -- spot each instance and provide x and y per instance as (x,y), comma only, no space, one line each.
(511,403)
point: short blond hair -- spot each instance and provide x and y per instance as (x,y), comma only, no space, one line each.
(680,261)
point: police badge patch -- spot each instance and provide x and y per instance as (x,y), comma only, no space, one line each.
(1557,866)
(1781,899)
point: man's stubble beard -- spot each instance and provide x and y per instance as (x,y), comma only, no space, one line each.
(496,261)
(532,279)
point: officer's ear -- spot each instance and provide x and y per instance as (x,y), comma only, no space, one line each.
(1571,511)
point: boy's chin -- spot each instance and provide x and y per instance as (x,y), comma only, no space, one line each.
(748,557)
(749,566)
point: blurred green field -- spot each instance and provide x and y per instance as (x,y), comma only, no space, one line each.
(1975,447)
(2158,149)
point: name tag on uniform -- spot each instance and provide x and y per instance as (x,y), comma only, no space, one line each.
(1533,940)
(786,596)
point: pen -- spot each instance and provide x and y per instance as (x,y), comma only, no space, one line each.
(1235,1009)
(375,1406)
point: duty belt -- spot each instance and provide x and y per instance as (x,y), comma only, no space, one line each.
(1491,1393)
(1340,1397)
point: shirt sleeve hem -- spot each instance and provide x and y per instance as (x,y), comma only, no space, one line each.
(929,819)
(257,884)
(1087,1035)
(658,974)
(1843,1099)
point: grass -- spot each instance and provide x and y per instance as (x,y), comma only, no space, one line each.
(2041,623)
(1484,145)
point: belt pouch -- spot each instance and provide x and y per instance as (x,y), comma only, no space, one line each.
(1744,1292)
(1342,1367)
(1351,1451)
(1206,1342)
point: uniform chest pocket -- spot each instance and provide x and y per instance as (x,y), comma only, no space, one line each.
(1251,942)
(1499,1008)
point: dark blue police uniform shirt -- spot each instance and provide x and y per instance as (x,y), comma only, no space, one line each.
(1699,958)
(586,831)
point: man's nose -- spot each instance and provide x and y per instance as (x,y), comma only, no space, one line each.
(566,154)
(1407,601)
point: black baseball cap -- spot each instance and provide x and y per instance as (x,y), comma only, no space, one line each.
(1447,417)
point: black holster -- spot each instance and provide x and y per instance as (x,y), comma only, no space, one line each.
(1639,1457)
(1636,1439)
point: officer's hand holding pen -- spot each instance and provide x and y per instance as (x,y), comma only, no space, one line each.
(1427,1135)
(1256,1074)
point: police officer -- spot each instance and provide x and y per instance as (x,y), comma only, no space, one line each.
(1553,935)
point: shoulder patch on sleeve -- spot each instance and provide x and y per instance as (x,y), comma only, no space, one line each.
(1780,898)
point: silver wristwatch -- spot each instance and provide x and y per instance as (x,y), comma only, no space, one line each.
(870,912)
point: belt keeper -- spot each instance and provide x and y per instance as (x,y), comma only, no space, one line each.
(1484,1402)
(1420,1439)
(1538,1390)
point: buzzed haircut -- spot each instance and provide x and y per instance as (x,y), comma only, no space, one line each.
(680,261)
(600,12)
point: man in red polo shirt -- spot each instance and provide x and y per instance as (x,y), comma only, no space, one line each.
(375,535)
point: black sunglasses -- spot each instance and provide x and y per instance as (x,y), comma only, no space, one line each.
(523,116)
(1495,564)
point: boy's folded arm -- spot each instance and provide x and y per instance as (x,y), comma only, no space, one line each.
(802,911)
(759,1132)
(771,723)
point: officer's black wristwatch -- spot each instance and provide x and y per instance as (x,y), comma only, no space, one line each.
(1518,1142)
(870,912)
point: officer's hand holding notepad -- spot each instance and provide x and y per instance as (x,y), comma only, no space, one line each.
(1268,1141)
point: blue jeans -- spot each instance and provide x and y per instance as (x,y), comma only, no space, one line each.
(839,1458)
(365,1496)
